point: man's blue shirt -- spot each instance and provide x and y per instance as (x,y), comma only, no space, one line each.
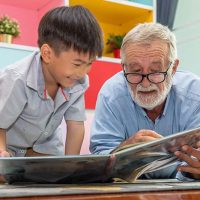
(117,116)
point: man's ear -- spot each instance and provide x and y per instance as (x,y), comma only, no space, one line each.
(175,66)
(46,53)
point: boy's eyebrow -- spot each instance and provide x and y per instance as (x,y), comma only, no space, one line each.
(82,61)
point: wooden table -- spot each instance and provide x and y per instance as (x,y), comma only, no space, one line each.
(141,190)
(165,195)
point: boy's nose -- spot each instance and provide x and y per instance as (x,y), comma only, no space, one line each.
(82,72)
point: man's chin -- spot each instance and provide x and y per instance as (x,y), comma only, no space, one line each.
(148,105)
(149,108)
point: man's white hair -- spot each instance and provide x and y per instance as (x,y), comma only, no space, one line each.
(147,32)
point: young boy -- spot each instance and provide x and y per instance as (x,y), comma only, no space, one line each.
(38,91)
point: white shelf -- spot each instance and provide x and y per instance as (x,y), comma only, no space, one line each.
(16,46)
(109,59)
(129,3)
(29,48)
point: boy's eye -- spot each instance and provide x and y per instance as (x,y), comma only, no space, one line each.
(77,65)
(90,63)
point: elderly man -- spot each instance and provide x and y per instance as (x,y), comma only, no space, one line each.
(149,98)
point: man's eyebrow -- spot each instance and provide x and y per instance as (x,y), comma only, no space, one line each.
(133,64)
(157,62)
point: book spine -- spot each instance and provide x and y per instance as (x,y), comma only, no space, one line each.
(108,169)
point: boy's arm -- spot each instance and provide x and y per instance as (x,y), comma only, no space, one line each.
(75,135)
(3,151)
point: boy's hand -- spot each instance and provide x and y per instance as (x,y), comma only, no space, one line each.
(2,179)
(4,153)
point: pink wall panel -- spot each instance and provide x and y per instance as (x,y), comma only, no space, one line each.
(28,17)
(28,21)
(50,5)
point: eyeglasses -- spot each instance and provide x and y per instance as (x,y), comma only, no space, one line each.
(136,78)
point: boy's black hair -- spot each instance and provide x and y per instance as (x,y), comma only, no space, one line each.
(74,27)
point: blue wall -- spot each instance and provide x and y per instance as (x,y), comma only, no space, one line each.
(11,53)
(187,31)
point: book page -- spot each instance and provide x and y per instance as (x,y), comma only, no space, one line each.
(134,160)
(168,144)
(147,168)
(151,167)
(118,149)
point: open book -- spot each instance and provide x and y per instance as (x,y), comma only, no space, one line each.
(127,163)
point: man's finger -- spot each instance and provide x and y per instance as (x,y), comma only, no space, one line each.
(191,151)
(150,133)
(193,162)
(189,169)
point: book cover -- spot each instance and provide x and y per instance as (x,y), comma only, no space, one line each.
(123,164)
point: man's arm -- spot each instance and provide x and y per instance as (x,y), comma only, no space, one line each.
(3,151)
(75,135)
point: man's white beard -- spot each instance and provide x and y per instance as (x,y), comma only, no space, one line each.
(149,102)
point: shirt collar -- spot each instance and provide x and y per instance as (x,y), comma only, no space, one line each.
(32,75)
(42,92)
(167,103)
(35,77)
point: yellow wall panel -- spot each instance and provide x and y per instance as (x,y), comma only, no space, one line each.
(115,18)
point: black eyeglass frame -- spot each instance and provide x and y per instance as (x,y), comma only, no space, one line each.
(146,75)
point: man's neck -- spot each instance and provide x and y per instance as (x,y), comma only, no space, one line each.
(156,112)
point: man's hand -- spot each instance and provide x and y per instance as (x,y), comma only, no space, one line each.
(141,136)
(192,157)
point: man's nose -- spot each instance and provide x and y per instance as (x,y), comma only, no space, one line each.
(145,82)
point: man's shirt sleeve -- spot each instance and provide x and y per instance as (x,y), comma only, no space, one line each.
(107,132)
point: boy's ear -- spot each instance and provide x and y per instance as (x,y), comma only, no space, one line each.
(46,53)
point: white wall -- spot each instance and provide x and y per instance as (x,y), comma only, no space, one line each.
(187,31)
